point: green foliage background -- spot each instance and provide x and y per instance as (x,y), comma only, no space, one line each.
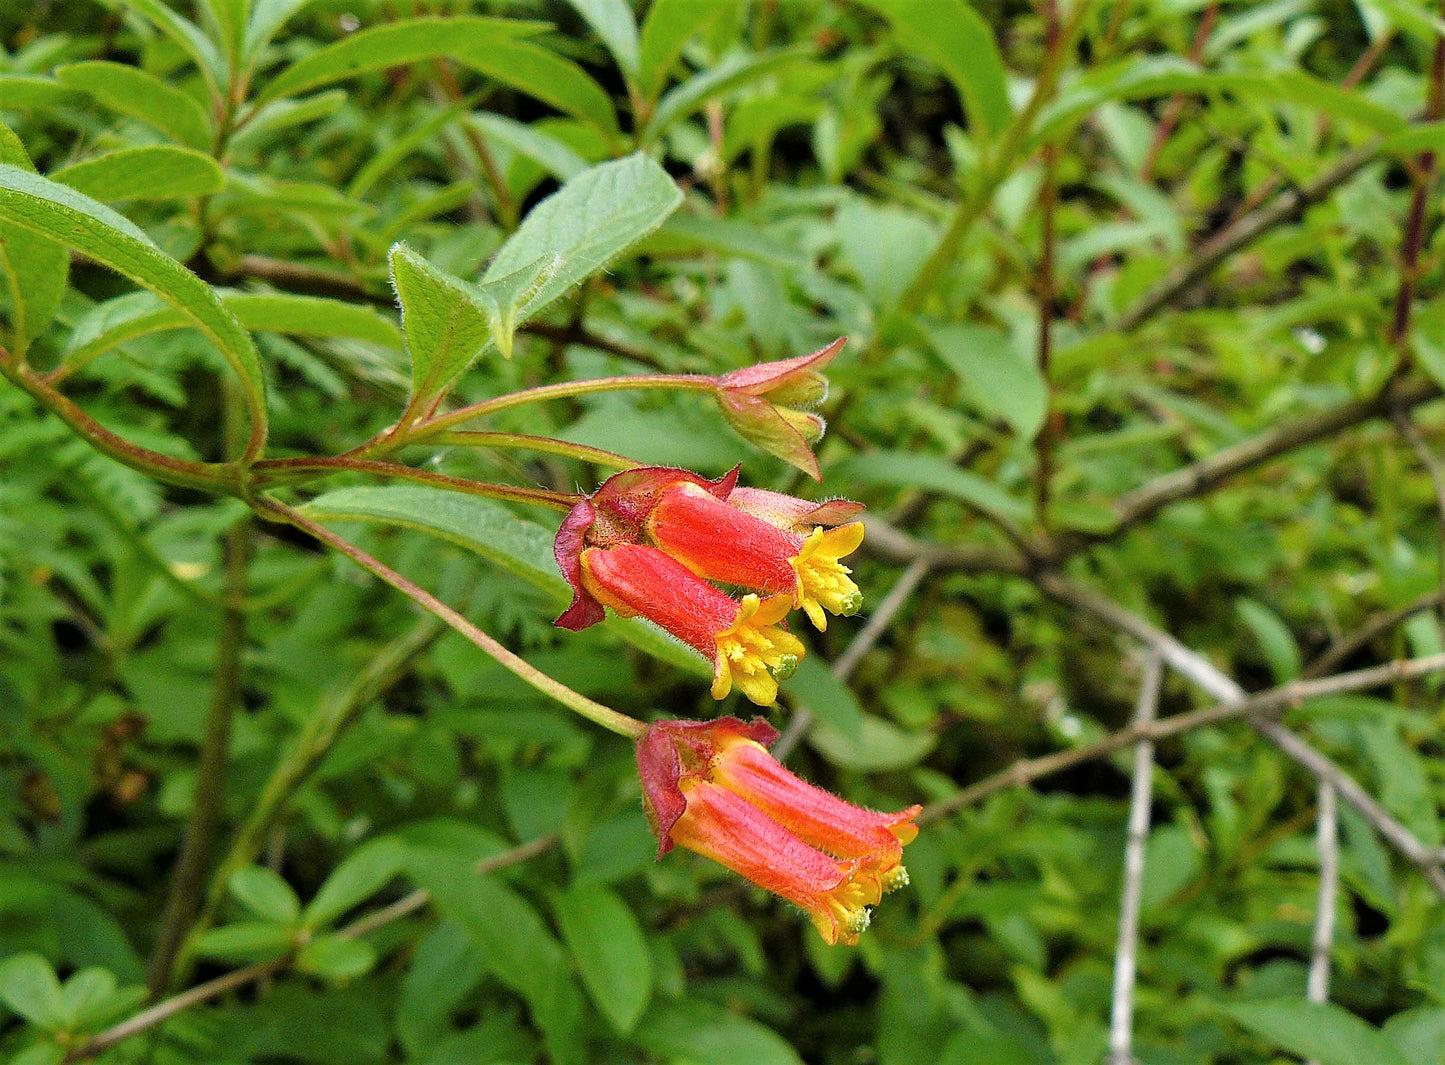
(1227,211)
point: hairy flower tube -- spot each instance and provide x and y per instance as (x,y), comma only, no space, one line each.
(742,639)
(712,787)
(648,541)
(718,541)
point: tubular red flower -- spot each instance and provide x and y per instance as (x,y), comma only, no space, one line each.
(720,542)
(713,788)
(741,638)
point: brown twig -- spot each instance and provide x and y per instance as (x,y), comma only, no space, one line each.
(1334,655)
(1287,207)
(1424,180)
(1175,106)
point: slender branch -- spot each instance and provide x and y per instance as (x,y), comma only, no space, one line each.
(1427,458)
(1121,1013)
(1027,770)
(999,165)
(279,471)
(1204,475)
(220,478)
(1332,657)
(1200,671)
(1327,844)
(886,541)
(1424,179)
(1170,116)
(1287,207)
(562,390)
(189,879)
(232,981)
(847,662)
(595,712)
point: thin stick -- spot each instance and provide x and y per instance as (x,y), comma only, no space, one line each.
(594,711)
(1381,623)
(1199,670)
(1327,843)
(848,661)
(1121,1014)
(1027,770)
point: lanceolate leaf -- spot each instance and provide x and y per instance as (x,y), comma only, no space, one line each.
(60,213)
(953,35)
(1322,1031)
(610,949)
(613,21)
(697,90)
(189,36)
(395,44)
(496,534)
(668,26)
(538,72)
(587,224)
(152,172)
(143,96)
(33,270)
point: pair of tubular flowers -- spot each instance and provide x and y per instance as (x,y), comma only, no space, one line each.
(712,787)
(649,541)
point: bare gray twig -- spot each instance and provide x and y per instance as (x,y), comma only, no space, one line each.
(1126,954)
(1327,843)
(848,661)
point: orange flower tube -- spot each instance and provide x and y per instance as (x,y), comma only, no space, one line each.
(711,787)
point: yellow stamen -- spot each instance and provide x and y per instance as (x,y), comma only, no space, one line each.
(823,581)
(846,912)
(754,653)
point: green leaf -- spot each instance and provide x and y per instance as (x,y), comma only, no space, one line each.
(267,16)
(998,380)
(190,37)
(879,747)
(669,25)
(954,36)
(587,224)
(336,958)
(283,114)
(683,234)
(228,20)
(152,172)
(361,875)
(736,70)
(265,894)
(831,701)
(137,94)
(517,947)
(1322,1031)
(393,45)
(904,470)
(613,21)
(546,151)
(28,985)
(490,530)
(33,270)
(538,72)
(114,322)
(26,92)
(701,1033)
(40,1054)
(56,211)
(245,941)
(1272,637)
(610,949)
(445,322)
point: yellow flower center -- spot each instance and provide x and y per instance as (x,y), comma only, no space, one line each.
(847,910)
(823,581)
(754,653)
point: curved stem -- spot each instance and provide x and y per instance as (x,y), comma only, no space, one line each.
(676,382)
(278,471)
(595,712)
(545,444)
